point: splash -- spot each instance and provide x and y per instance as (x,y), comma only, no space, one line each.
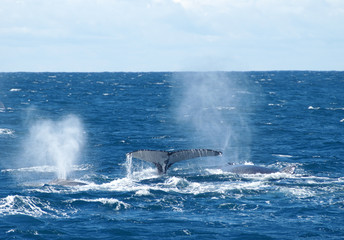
(55,143)
(129,165)
(213,109)
(27,205)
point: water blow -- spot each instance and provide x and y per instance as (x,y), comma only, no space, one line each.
(55,143)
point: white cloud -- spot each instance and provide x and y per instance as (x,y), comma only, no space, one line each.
(91,35)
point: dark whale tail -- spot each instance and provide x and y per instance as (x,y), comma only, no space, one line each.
(163,160)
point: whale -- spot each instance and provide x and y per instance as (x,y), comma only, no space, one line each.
(254,169)
(66,183)
(163,160)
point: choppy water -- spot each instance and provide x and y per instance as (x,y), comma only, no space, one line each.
(81,125)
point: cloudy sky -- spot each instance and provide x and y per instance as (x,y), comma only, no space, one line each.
(171,35)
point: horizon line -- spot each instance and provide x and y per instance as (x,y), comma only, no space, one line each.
(179,71)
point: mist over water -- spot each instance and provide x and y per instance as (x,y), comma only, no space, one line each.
(213,109)
(55,143)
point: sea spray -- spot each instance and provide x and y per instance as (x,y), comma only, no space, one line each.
(213,109)
(129,165)
(55,143)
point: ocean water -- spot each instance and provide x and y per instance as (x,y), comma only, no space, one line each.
(79,126)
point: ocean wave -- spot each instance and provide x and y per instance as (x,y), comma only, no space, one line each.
(313,108)
(46,168)
(27,205)
(105,201)
(174,184)
(6,131)
(15,90)
(282,155)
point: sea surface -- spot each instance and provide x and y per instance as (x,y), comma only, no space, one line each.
(78,127)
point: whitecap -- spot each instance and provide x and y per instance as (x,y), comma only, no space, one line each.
(105,201)
(143,192)
(26,205)
(117,185)
(45,168)
(6,131)
(275,104)
(214,171)
(313,108)
(299,192)
(15,90)
(282,155)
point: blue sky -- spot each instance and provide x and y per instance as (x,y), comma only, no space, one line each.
(171,35)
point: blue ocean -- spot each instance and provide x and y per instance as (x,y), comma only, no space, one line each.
(65,172)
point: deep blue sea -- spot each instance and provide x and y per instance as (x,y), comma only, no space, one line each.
(79,126)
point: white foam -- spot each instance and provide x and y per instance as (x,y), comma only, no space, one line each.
(106,201)
(299,192)
(45,168)
(146,182)
(248,163)
(143,192)
(6,131)
(15,90)
(214,171)
(282,155)
(31,206)
(275,104)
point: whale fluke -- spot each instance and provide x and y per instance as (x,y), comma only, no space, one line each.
(163,160)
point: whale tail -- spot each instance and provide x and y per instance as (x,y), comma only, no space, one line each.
(163,160)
